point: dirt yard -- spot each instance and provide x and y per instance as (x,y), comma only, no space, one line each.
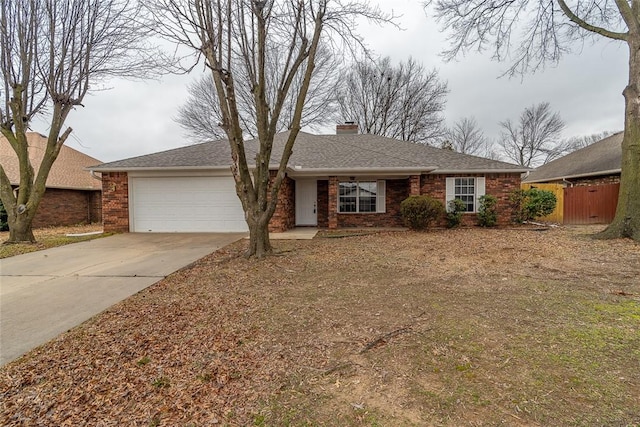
(456,327)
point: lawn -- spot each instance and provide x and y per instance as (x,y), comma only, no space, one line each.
(49,237)
(455,327)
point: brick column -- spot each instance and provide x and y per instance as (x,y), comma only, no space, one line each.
(414,185)
(284,217)
(115,202)
(333,202)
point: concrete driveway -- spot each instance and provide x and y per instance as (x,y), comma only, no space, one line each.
(48,292)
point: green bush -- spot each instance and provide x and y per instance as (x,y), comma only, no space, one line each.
(531,204)
(420,211)
(487,212)
(4,226)
(456,208)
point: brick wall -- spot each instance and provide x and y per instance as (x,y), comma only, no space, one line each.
(396,191)
(414,185)
(323,204)
(95,206)
(67,207)
(499,185)
(115,202)
(332,202)
(284,217)
(596,180)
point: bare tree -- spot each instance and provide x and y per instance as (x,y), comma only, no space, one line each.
(234,37)
(535,138)
(200,115)
(579,142)
(53,54)
(548,29)
(465,136)
(403,102)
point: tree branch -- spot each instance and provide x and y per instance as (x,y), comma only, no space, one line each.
(595,29)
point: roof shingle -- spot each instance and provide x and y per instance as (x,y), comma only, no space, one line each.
(604,156)
(68,171)
(324,152)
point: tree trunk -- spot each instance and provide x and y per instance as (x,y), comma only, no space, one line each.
(627,220)
(259,244)
(20,228)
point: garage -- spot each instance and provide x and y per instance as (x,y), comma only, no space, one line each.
(185,204)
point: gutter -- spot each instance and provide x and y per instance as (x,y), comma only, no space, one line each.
(471,171)
(299,171)
(581,175)
(158,168)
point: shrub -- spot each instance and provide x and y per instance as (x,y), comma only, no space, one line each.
(454,212)
(420,211)
(487,212)
(532,203)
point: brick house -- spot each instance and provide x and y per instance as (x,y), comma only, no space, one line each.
(73,194)
(589,181)
(333,181)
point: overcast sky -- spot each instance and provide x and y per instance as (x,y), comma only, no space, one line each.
(136,117)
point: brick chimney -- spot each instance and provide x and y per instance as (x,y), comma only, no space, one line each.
(348,128)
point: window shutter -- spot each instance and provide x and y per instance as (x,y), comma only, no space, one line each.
(381,204)
(480,191)
(450,191)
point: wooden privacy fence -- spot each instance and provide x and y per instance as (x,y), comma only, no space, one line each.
(590,204)
(558,214)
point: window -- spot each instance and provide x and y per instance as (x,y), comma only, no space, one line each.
(467,189)
(361,197)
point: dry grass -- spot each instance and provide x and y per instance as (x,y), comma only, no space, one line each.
(454,327)
(48,238)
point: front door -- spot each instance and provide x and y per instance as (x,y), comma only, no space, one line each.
(306,202)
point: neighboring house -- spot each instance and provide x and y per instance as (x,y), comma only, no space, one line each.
(73,194)
(589,180)
(332,181)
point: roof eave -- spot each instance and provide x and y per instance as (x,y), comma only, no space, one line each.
(157,168)
(389,171)
(459,171)
(581,175)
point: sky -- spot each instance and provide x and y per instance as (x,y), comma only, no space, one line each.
(132,118)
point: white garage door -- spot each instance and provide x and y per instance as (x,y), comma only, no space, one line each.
(185,204)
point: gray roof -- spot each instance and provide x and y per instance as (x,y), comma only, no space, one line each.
(321,154)
(600,158)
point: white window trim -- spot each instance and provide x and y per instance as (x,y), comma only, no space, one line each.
(381,204)
(479,190)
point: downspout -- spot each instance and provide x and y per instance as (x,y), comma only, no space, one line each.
(567,182)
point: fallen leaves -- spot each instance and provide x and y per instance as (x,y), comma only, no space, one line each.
(233,341)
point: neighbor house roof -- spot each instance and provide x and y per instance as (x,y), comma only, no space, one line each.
(322,154)
(600,158)
(68,171)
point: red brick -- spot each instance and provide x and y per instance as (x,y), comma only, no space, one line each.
(284,217)
(115,202)
(68,207)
